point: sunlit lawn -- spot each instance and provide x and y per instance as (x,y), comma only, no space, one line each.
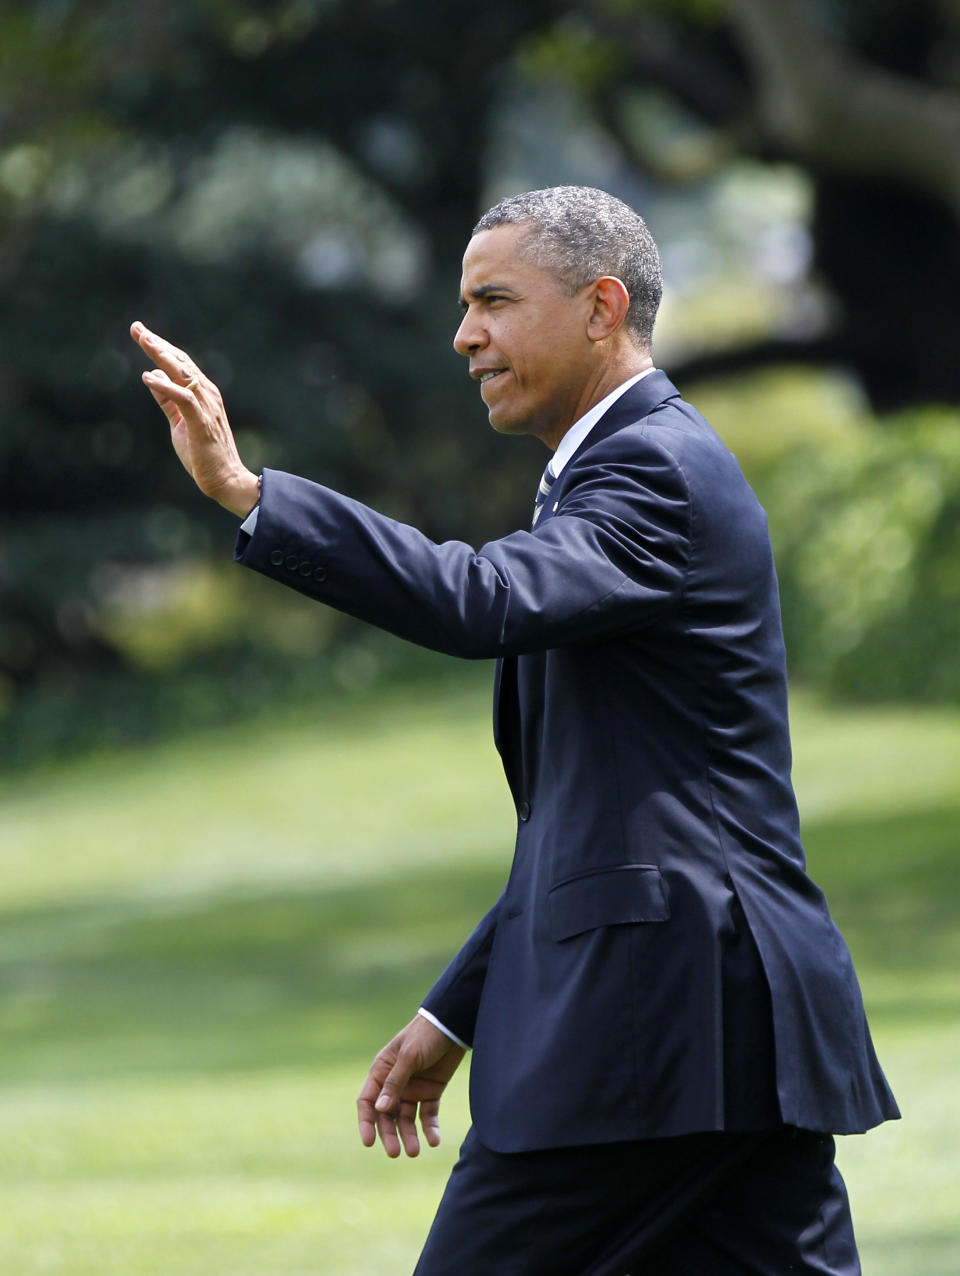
(204,943)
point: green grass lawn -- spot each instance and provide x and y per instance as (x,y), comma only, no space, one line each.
(205,942)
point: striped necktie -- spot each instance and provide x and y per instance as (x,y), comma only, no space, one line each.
(543,491)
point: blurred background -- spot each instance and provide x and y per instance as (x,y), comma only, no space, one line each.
(240,834)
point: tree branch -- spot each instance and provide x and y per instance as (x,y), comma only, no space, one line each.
(684,60)
(827,107)
(680,161)
(950,11)
(774,352)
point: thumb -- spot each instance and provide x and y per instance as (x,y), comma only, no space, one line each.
(394,1083)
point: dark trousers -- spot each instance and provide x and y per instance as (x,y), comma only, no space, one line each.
(764,1204)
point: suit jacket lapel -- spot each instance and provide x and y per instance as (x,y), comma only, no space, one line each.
(506,721)
(639,401)
(497,686)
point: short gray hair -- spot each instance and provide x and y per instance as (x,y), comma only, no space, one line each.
(581,234)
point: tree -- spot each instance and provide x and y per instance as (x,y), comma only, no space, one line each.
(286,188)
(315,349)
(865,96)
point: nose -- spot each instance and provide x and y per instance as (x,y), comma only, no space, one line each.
(470,336)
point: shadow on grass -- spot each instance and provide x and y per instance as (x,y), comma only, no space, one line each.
(235,981)
(891,883)
(926,1253)
(318,975)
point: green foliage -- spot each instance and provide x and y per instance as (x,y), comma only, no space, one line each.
(203,944)
(285,190)
(867,534)
(279,190)
(865,522)
(572,53)
(194,677)
(767,417)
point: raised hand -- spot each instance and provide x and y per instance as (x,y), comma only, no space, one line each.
(199,429)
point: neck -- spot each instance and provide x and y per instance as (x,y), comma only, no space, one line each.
(612,373)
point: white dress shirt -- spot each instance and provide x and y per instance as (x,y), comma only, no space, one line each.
(580,429)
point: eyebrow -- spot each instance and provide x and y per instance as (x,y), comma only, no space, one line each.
(477,294)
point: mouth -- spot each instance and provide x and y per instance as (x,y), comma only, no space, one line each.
(488,374)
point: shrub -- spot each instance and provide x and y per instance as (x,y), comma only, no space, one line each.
(867,535)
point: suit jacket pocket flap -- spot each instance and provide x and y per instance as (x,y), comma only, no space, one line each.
(611,897)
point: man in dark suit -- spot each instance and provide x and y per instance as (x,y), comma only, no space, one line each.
(666,1025)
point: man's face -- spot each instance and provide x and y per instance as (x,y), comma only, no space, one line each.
(525,337)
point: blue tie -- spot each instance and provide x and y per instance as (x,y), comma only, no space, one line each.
(543,491)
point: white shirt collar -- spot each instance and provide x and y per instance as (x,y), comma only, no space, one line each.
(580,429)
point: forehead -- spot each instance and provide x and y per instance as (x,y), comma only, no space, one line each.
(496,257)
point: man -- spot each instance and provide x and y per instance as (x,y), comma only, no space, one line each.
(666,1025)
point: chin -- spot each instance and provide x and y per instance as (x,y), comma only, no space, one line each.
(504,423)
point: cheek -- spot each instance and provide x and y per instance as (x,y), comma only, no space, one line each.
(527,352)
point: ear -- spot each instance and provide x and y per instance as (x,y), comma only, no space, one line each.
(611,301)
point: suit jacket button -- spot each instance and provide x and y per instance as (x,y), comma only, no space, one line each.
(277,557)
(319,574)
(523,810)
(292,562)
(306,569)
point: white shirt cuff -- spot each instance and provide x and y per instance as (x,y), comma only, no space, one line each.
(249,524)
(425,1014)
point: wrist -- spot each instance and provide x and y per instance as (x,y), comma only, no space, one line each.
(240,495)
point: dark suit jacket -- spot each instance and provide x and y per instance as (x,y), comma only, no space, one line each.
(659,962)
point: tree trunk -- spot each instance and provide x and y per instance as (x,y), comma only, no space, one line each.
(891,258)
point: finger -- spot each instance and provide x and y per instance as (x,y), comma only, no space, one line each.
(430,1121)
(368,1131)
(407,1129)
(367,1123)
(366,1113)
(158,383)
(385,1111)
(159,394)
(394,1084)
(158,346)
(375,1111)
(176,363)
(387,1129)
(167,392)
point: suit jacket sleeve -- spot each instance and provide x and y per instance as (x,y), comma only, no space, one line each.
(455,997)
(614,558)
